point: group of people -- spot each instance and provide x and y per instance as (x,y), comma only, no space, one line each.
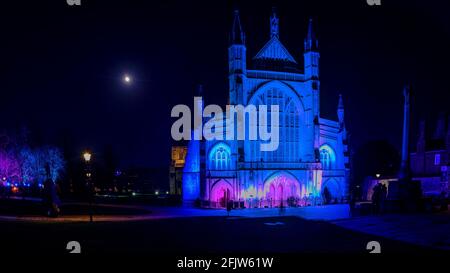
(379,197)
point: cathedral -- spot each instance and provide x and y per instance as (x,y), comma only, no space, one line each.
(310,165)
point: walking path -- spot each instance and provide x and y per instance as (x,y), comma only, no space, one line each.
(331,212)
(431,230)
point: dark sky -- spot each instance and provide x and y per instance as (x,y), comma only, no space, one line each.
(61,66)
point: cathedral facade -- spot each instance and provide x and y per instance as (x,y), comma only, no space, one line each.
(311,162)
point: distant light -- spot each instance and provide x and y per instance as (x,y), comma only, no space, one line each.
(134,194)
(127,79)
(378,175)
(156,192)
(167,192)
(87,156)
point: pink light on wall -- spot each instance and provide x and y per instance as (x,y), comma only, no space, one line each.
(281,187)
(221,193)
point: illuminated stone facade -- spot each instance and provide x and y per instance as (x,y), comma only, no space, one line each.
(312,155)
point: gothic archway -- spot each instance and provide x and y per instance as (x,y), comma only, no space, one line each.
(221,193)
(279,187)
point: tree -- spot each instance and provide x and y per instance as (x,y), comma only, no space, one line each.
(54,158)
(29,165)
(33,162)
(9,166)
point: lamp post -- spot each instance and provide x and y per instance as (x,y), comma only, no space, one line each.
(87,156)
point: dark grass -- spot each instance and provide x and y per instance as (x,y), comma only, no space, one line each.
(11,207)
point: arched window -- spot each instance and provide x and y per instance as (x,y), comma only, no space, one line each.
(327,157)
(220,158)
(290,125)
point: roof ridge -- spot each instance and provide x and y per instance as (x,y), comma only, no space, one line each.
(275,50)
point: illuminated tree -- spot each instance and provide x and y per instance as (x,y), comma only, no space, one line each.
(9,166)
(54,158)
(29,164)
(33,162)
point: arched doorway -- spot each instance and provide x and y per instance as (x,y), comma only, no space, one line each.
(279,188)
(221,193)
(331,192)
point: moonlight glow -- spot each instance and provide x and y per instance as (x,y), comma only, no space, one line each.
(127,79)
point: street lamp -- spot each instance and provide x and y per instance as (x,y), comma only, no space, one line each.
(87,156)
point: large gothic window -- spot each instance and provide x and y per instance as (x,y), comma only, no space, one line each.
(220,158)
(289,122)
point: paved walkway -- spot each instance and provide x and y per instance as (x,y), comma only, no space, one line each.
(432,230)
(331,212)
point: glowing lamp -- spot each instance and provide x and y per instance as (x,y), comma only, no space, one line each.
(87,156)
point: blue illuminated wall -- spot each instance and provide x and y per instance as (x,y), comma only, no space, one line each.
(311,154)
(191,173)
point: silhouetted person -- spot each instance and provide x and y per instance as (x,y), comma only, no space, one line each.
(282,208)
(376,197)
(51,199)
(327,196)
(229,206)
(383,196)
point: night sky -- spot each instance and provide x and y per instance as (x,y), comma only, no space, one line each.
(61,67)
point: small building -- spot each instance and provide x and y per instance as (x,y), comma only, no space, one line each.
(176,169)
(429,162)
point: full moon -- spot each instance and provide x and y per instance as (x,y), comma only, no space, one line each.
(127,79)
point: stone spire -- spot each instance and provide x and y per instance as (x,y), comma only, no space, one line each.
(404,167)
(340,111)
(311,42)
(237,34)
(274,24)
